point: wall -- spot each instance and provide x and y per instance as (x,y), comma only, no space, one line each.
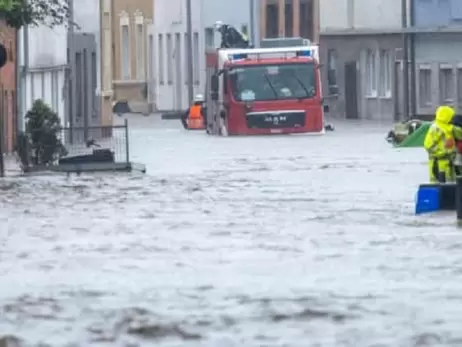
(375,85)
(366,15)
(435,13)
(8,89)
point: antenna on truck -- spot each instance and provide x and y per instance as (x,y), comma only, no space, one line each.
(231,37)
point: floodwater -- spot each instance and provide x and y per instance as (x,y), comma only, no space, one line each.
(261,241)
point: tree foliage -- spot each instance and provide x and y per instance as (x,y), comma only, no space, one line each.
(43,128)
(35,12)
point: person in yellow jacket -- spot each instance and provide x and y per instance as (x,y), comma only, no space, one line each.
(440,144)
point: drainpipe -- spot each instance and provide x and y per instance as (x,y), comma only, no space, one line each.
(22,73)
(189,52)
(19,89)
(70,92)
(252,21)
(404,27)
(413,62)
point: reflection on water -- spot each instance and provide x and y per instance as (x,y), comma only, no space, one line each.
(267,241)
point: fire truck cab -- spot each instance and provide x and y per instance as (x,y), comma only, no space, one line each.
(257,91)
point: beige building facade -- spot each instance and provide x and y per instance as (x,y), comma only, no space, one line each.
(289,18)
(124,52)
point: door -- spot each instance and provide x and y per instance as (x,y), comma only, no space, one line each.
(178,70)
(351,90)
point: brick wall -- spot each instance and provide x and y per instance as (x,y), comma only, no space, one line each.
(8,88)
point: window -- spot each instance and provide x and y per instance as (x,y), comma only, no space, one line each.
(459,87)
(332,72)
(150,57)
(456,10)
(125,47)
(385,74)
(186,59)
(196,59)
(169,59)
(177,59)
(79,84)
(425,86)
(140,73)
(447,86)
(306,19)
(272,21)
(209,38)
(161,59)
(108,56)
(289,19)
(281,81)
(371,73)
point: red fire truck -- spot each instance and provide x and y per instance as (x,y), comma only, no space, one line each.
(257,91)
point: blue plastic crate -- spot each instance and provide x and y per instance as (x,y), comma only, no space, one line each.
(427,200)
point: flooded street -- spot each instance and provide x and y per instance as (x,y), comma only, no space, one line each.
(290,241)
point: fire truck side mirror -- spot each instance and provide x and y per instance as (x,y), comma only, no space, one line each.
(214,84)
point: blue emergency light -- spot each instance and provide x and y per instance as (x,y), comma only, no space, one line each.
(304,53)
(237,56)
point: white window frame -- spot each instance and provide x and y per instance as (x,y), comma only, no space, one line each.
(125,61)
(196,58)
(371,73)
(459,85)
(185,58)
(424,102)
(447,99)
(140,46)
(385,73)
(169,43)
(332,83)
(161,51)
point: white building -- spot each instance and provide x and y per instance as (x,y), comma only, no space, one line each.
(170,78)
(45,75)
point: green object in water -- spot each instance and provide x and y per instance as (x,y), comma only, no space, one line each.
(417,138)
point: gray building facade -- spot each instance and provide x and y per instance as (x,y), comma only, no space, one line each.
(82,83)
(359,43)
(437,31)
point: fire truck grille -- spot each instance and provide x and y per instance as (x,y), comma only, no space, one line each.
(276,120)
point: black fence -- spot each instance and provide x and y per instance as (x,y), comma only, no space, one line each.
(84,140)
(47,148)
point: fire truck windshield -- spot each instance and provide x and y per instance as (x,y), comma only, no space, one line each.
(273,81)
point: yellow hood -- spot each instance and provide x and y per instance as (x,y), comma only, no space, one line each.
(444,115)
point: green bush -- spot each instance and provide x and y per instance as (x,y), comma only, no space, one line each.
(43,128)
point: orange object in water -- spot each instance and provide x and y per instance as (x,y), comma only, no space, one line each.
(195,120)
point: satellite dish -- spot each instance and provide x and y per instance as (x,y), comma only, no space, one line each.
(3,57)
